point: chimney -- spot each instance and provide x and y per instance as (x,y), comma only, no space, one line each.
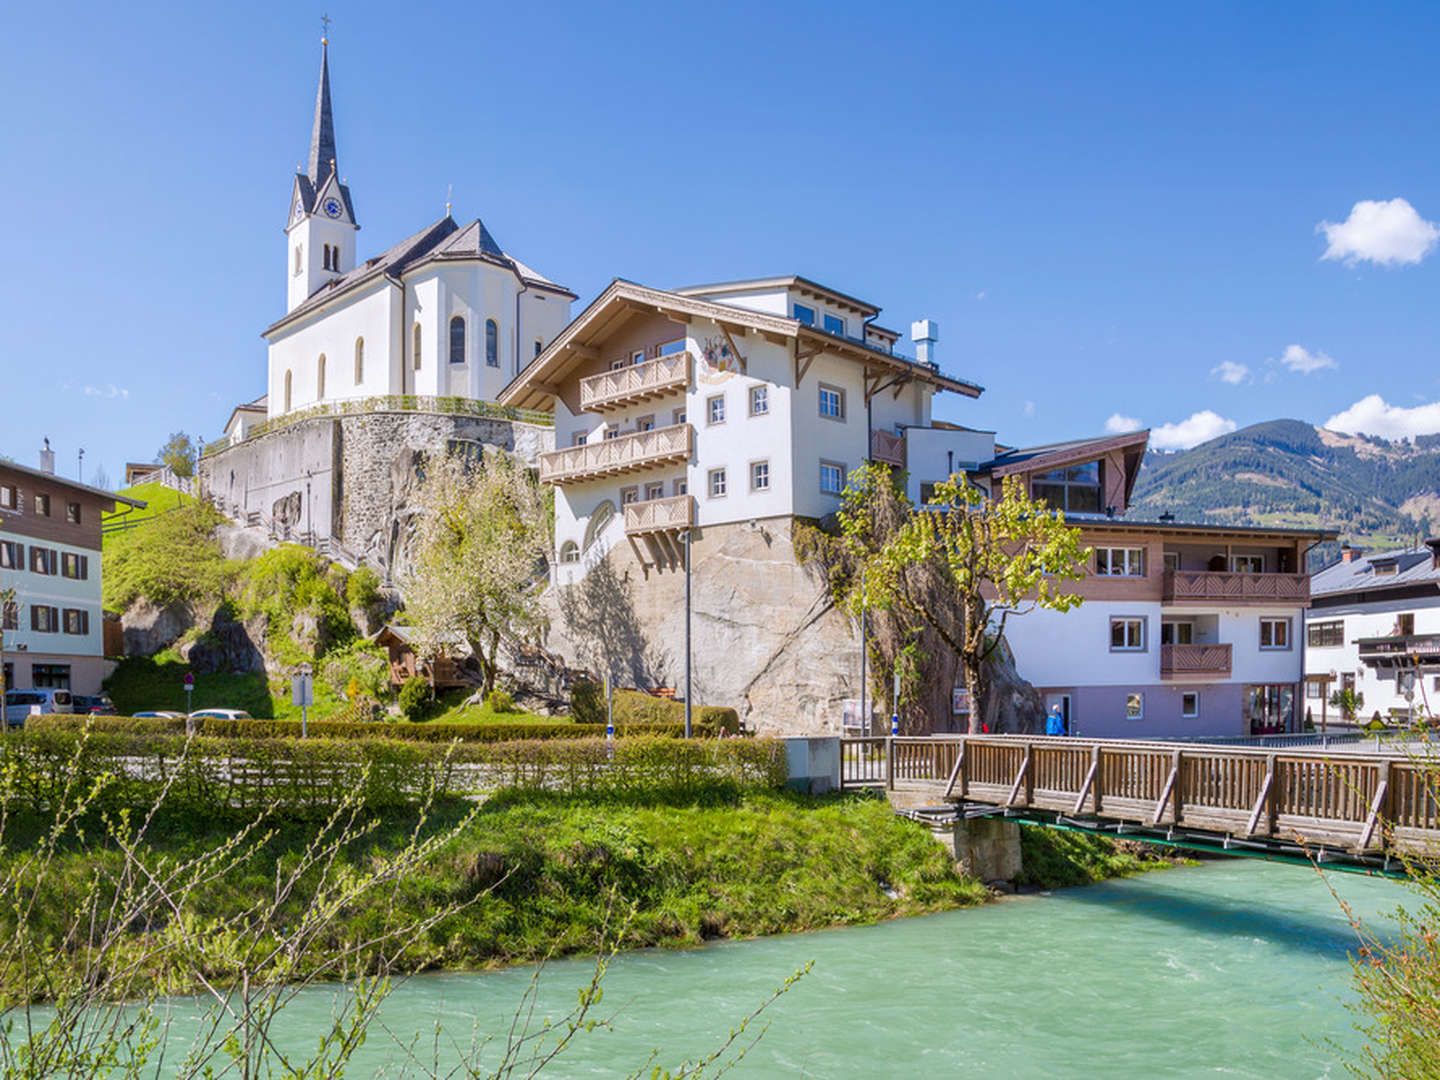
(1434,545)
(47,459)
(1349,554)
(925,333)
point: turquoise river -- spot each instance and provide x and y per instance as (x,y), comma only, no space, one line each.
(1236,968)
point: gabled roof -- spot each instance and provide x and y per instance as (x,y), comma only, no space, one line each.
(535,387)
(1413,566)
(73,485)
(1033,459)
(442,240)
(787,281)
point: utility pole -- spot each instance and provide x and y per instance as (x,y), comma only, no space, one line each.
(687,634)
(864,661)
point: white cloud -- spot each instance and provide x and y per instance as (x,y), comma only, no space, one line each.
(1387,233)
(1197,428)
(1228,371)
(1028,408)
(981,295)
(1119,424)
(111,391)
(1372,415)
(1298,358)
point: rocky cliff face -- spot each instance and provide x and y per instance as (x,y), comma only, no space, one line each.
(765,637)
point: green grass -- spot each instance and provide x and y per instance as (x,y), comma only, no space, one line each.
(540,872)
(158,498)
(1059,859)
(157,683)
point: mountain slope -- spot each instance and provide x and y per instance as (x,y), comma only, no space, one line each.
(1286,472)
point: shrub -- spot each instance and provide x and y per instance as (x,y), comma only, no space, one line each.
(311,776)
(414,697)
(169,558)
(587,705)
(634,707)
(284,582)
(345,729)
(500,701)
(362,589)
(361,663)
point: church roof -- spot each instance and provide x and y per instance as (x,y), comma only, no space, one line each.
(322,135)
(441,240)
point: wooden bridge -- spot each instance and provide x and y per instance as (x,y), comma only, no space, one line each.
(1337,805)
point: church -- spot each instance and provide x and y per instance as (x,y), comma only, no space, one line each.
(443,313)
(375,363)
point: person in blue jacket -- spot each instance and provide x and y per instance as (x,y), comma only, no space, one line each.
(1055,721)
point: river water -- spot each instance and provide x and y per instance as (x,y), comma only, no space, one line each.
(1235,968)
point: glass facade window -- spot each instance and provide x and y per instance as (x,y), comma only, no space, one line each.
(457,340)
(1075,489)
(1120,562)
(1127,634)
(1271,708)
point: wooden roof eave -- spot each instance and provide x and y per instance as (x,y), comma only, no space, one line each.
(868,354)
(1073,455)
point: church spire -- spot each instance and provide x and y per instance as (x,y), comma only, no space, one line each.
(322,136)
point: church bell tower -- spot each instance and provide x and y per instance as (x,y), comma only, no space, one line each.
(320,232)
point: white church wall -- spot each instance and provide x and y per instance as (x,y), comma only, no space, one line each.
(423,303)
(333,334)
(542,316)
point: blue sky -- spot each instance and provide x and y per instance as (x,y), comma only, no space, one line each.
(1114,215)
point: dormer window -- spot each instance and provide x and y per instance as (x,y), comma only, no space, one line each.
(1388,568)
(803,313)
(834,325)
(1075,489)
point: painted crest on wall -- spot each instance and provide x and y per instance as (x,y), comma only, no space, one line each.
(719,361)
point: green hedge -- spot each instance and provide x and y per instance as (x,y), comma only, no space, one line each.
(206,774)
(400,732)
(633,707)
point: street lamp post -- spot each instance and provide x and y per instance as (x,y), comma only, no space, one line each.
(687,634)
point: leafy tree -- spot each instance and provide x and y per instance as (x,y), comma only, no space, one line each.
(1349,701)
(481,540)
(180,453)
(961,566)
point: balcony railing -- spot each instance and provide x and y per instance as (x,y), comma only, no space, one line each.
(1221,586)
(1178,661)
(625,453)
(1401,650)
(635,382)
(660,515)
(887,447)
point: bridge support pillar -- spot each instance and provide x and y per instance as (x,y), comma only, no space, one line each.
(986,848)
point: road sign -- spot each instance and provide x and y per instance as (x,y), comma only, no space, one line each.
(302,690)
(189,681)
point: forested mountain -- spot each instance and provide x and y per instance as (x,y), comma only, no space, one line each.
(1286,472)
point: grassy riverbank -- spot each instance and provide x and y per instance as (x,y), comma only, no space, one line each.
(536,874)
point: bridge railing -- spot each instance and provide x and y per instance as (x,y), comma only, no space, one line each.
(1363,802)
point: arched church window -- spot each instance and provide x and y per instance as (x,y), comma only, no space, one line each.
(600,517)
(359,360)
(492,343)
(416,350)
(457,340)
(570,552)
(287,391)
(326,257)
(299,256)
(320,377)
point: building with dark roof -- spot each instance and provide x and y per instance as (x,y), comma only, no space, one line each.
(1374,627)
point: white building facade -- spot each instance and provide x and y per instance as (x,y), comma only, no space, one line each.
(1374,628)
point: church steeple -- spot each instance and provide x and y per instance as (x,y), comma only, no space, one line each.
(322,136)
(321,226)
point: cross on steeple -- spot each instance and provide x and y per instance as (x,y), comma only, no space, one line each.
(325,27)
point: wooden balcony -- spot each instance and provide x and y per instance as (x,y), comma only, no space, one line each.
(660,515)
(1188,661)
(1401,651)
(1225,587)
(887,448)
(623,454)
(634,383)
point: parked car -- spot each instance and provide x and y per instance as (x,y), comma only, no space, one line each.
(162,715)
(19,703)
(94,704)
(223,714)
